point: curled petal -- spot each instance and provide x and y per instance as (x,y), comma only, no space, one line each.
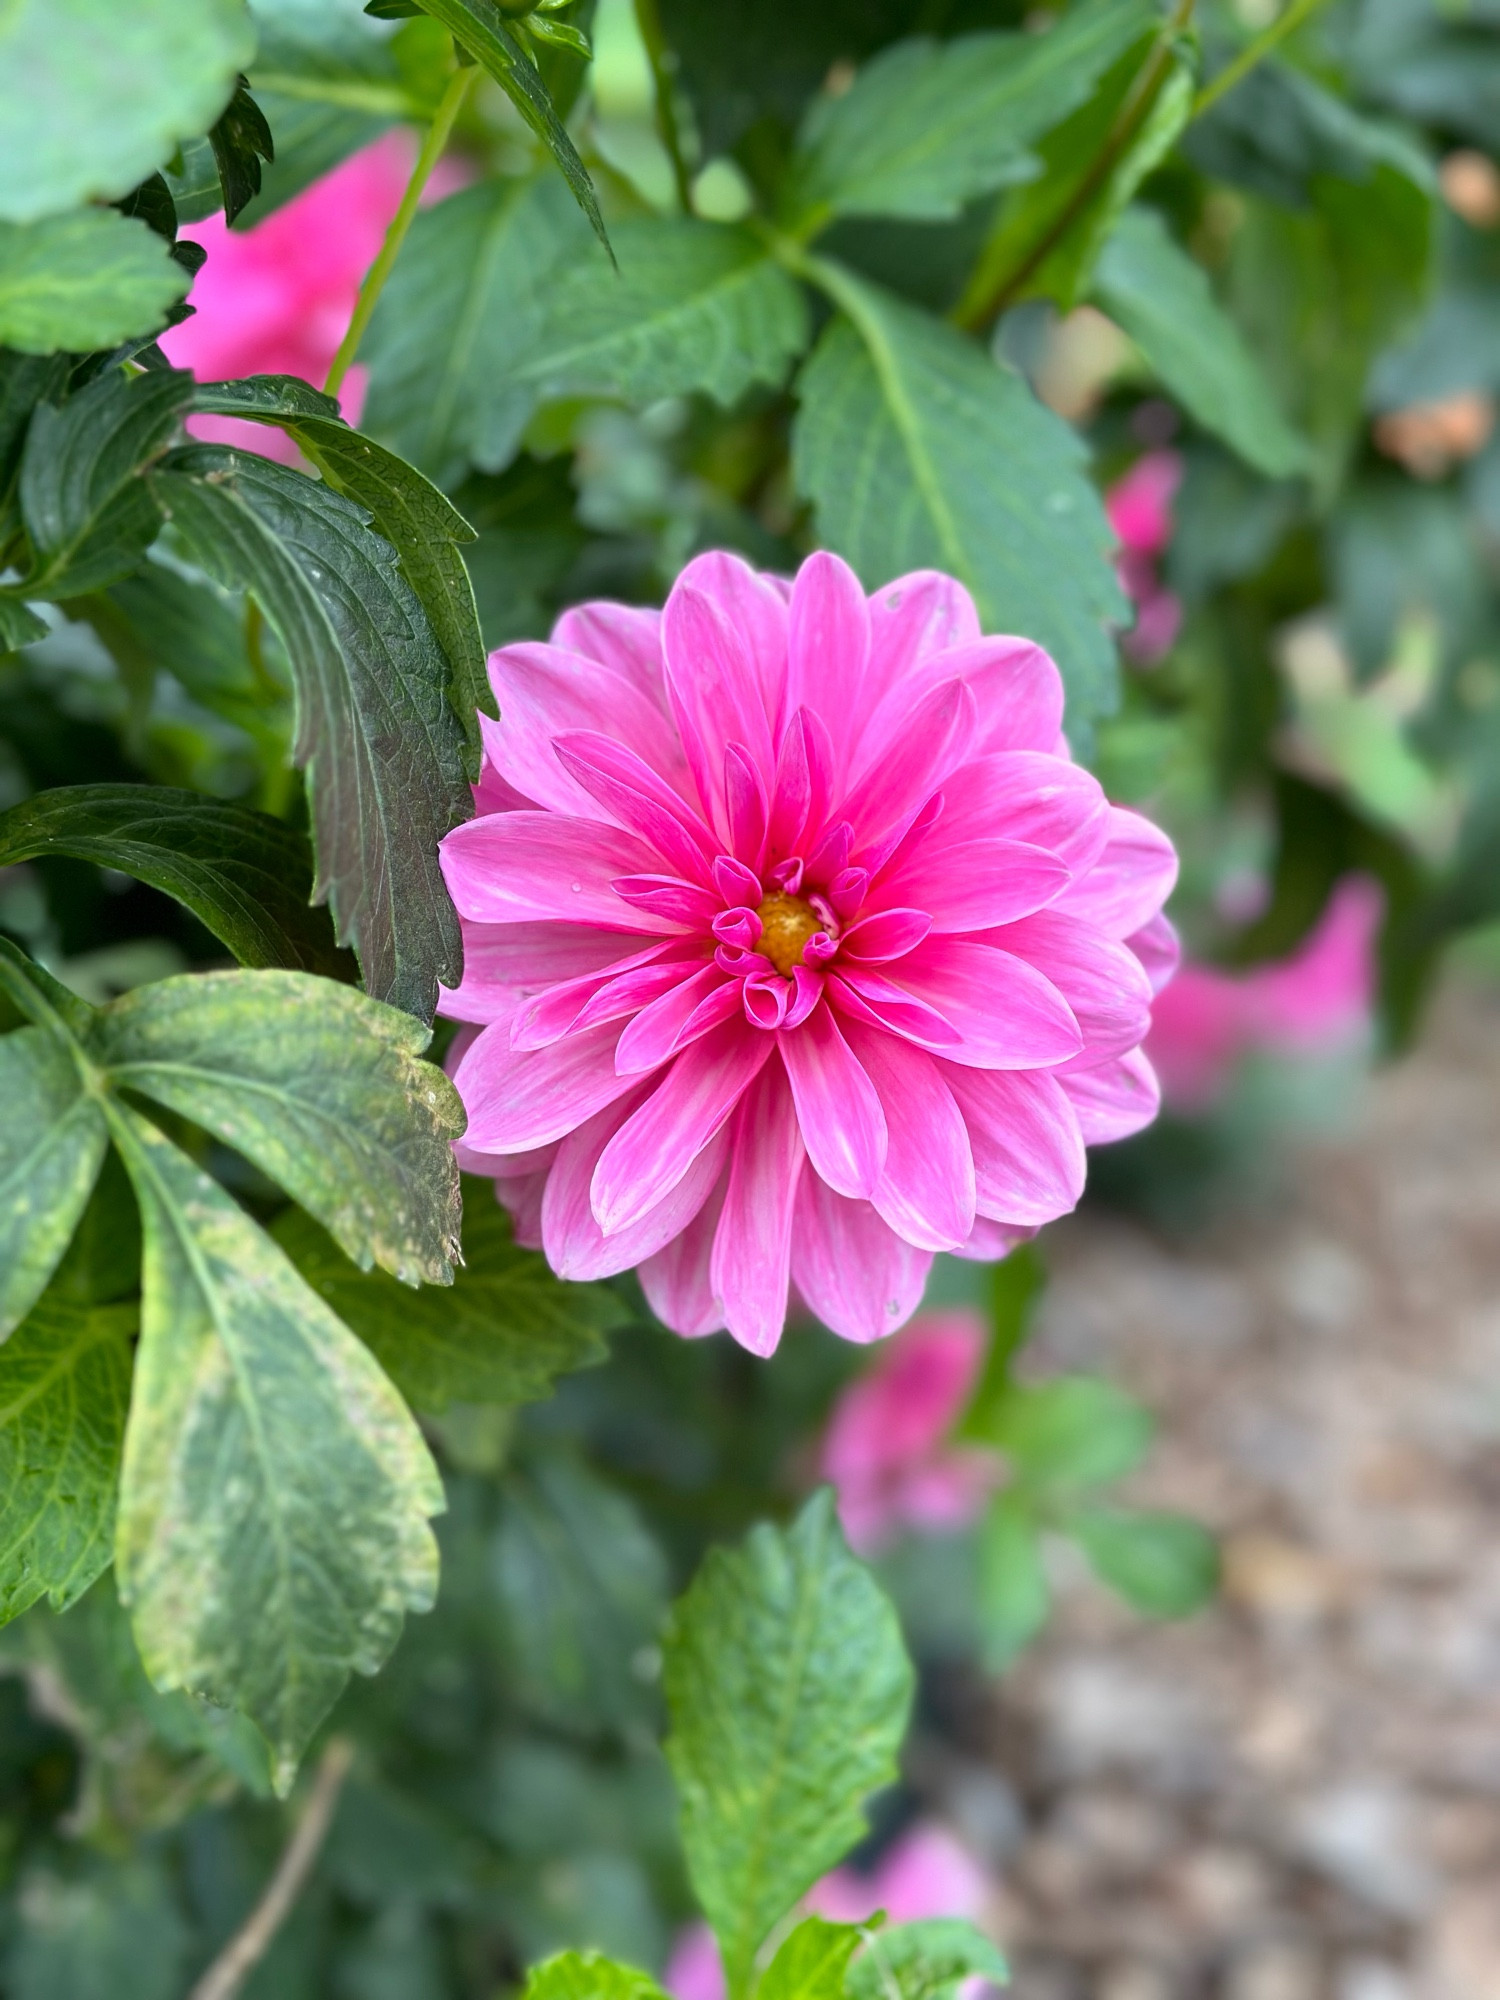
(673,1019)
(888,934)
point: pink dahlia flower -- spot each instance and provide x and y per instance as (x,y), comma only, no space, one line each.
(798,948)
(1139,507)
(886,1450)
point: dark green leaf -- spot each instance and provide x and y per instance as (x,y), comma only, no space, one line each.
(788,1687)
(502,1334)
(322,1087)
(89,513)
(811,1961)
(924,1961)
(376,734)
(107,1927)
(152,202)
(1163,300)
(52,1141)
(919,451)
(926,125)
(94,96)
(1074,1432)
(588,1975)
(18,626)
(244,875)
(1013,1596)
(64,1391)
(1162,1564)
(89,278)
(276,1492)
(241,140)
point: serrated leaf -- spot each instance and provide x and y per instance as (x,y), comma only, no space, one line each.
(322,1087)
(273,1525)
(788,1687)
(926,126)
(480,27)
(96,95)
(1163,1564)
(502,1334)
(462,308)
(811,1961)
(1074,1432)
(89,513)
(64,1391)
(420,523)
(1163,300)
(52,1142)
(926,1960)
(588,1975)
(1013,1595)
(86,279)
(375,731)
(919,451)
(241,140)
(694,306)
(244,875)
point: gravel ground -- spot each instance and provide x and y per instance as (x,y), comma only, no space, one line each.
(1297,1795)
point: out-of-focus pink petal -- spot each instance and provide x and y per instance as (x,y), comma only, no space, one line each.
(1159,949)
(750,1268)
(1322,992)
(576,1246)
(517,1099)
(1007,1013)
(1139,505)
(1104,983)
(1029,1162)
(522,866)
(926,1187)
(838,1108)
(695,1971)
(859,1277)
(1133,876)
(1114,1101)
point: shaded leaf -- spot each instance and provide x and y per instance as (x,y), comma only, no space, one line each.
(1076,1431)
(919,451)
(85,279)
(274,1503)
(64,1391)
(1016,1284)
(244,875)
(105,1927)
(811,1961)
(18,626)
(52,1142)
(1013,1597)
(375,732)
(502,1334)
(1163,1564)
(588,1975)
(788,1687)
(241,140)
(322,1087)
(924,1961)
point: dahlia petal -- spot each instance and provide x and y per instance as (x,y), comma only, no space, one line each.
(869,996)
(688,1009)
(991,1241)
(744,805)
(859,1277)
(675,1280)
(888,934)
(522,1200)
(626,637)
(1159,949)
(792,789)
(595,996)
(1133,876)
(657,1144)
(1029,1163)
(1116,1100)
(838,1108)
(922,613)
(505,1166)
(508,867)
(714,691)
(519,1098)
(972,885)
(1027,795)
(926,1189)
(1017,691)
(828,639)
(738,885)
(576,1247)
(637,799)
(892,790)
(1008,1014)
(666,901)
(750,1269)
(1103,982)
(543,692)
(522,957)
(807,991)
(758,609)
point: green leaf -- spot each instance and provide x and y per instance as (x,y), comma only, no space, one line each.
(463,306)
(64,1391)
(919,451)
(811,1961)
(1163,1564)
(1074,1432)
(89,513)
(924,1961)
(375,732)
(241,140)
(1013,1596)
(788,1687)
(1163,300)
(588,1975)
(52,1141)
(693,306)
(420,523)
(87,279)
(244,875)
(95,95)
(273,1527)
(1016,1284)
(480,27)
(927,125)
(322,1087)
(18,626)
(502,1334)
(107,1926)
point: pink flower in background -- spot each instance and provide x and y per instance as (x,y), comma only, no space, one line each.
(925,1873)
(886,1450)
(1139,507)
(800,950)
(1316,999)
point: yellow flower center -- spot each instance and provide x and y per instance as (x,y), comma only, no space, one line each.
(787,923)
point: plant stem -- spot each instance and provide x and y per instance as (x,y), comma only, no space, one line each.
(1254,52)
(648,21)
(395,236)
(252,1940)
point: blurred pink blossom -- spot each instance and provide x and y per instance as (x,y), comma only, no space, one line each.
(1139,507)
(926,1873)
(886,1450)
(1317,998)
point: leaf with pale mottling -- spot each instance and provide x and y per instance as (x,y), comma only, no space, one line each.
(52,1141)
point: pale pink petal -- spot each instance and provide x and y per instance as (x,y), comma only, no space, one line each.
(622,636)
(972,885)
(544,691)
(1008,1015)
(838,1108)
(1132,878)
(925,612)
(522,1200)
(576,1246)
(517,1099)
(609,995)
(862,994)
(751,1265)
(828,641)
(689,1008)
(1116,1100)
(513,867)
(1017,690)
(636,798)
(926,1188)
(892,788)
(1103,983)
(714,690)
(856,1274)
(758,610)
(992,1241)
(675,1280)
(1031,796)
(1159,949)
(1029,1162)
(694,1971)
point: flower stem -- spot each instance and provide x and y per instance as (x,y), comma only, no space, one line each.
(395,236)
(648,22)
(1253,52)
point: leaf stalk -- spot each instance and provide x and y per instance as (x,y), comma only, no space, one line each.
(1254,52)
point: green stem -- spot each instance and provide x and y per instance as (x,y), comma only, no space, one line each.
(648,21)
(395,236)
(1254,52)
